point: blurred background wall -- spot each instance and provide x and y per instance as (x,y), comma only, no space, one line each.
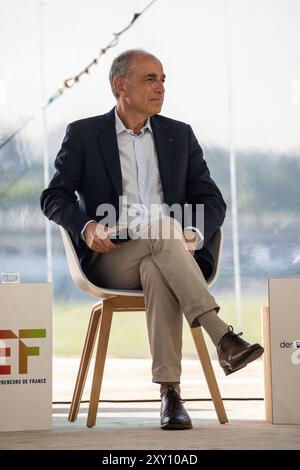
(233,73)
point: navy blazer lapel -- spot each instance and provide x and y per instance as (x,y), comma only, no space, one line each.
(164,143)
(109,148)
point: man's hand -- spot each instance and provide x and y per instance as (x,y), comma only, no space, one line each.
(190,240)
(96,238)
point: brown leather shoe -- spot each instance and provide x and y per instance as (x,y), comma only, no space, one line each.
(234,353)
(172,413)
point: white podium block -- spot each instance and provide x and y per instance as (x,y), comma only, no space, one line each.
(25,356)
(281,331)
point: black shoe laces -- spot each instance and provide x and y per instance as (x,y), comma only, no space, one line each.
(175,402)
(234,336)
(174,399)
(230,330)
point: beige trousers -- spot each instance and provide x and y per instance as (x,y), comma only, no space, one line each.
(173,285)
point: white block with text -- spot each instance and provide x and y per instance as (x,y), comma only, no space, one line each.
(25,356)
(283,391)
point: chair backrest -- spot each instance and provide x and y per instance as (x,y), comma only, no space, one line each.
(79,277)
(83,283)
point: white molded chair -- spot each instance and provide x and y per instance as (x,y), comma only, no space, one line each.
(113,300)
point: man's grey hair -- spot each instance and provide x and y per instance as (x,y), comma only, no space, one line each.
(121,66)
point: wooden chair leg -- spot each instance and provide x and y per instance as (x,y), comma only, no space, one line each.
(85,359)
(209,374)
(103,338)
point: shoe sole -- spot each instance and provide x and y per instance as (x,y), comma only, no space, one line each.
(175,427)
(252,357)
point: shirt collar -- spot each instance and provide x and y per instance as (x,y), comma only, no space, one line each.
(120,127)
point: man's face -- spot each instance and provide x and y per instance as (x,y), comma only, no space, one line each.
(143,89)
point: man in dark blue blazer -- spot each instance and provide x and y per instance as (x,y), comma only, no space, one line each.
(135,162)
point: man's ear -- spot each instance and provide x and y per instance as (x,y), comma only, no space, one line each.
(119,86)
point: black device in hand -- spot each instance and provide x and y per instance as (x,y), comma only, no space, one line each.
(120,235)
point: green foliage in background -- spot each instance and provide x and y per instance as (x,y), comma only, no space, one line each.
(129,331)
(260,176)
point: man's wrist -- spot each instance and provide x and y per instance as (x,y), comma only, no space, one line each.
(199,236)
(83,230)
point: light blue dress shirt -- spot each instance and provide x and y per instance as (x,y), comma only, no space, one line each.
(139,166)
